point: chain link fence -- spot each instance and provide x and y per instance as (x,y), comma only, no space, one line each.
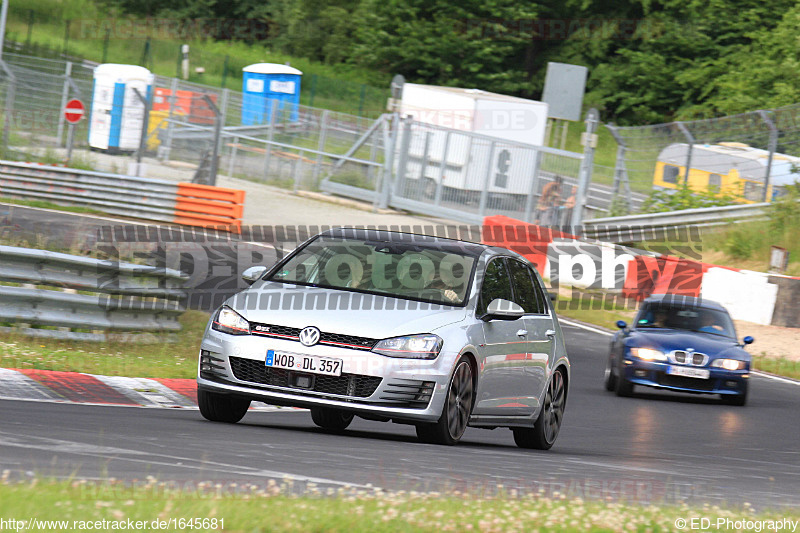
(747,158)
(389,161)
(457,172)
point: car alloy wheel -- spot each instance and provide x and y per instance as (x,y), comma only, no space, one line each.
(457,408)
(544,432)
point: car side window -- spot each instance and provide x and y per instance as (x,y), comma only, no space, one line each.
(524,289)
(496,284)
(541,293)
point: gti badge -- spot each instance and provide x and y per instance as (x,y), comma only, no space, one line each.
(309,336)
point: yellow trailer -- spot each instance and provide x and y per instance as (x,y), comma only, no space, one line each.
(734,169)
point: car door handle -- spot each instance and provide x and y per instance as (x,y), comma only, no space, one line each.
(522,332)
(550,333)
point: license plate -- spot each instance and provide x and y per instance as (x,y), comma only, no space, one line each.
(700,373)
(304,363)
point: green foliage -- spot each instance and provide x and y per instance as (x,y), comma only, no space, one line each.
(785,214)
(741,241)
(685,198)
(648,61)
(752,241)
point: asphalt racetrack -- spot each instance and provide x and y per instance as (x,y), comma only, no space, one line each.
(654,448)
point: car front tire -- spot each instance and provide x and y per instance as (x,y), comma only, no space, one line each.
(735,399)
(622,387)
(544,432)
(609,379)
(332,419)
(221,407)
(456,411)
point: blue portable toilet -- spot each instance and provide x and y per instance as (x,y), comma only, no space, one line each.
(264,82)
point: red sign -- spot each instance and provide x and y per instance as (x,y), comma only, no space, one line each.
(74,111)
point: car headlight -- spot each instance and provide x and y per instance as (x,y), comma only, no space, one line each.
(648,354)
(729,364)
(411,347)
(229,321)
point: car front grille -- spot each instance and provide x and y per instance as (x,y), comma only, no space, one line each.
(354,385)
(327,338)
(685,383)
(690,358)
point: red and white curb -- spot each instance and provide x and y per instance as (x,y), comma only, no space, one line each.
(75,387)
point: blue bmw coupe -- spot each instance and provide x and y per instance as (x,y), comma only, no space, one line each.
(682,344)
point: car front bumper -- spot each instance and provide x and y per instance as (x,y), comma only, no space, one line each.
(655,374)
(371,385)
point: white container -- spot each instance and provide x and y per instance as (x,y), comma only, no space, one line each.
(117,114)
(508,121)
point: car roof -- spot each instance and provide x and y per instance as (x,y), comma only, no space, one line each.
(382,235)
(689,301)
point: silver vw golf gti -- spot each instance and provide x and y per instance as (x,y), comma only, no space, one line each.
(387,326)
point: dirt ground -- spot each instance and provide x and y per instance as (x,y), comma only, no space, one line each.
(771,340)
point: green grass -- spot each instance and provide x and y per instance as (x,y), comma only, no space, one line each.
(271,507)
(595,308)
(50,205)
(336,87)
(780,366)
(176,359)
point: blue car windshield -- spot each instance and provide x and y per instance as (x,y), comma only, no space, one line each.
(684,317)
(411,270)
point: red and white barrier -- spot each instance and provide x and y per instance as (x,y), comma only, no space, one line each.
(568,261)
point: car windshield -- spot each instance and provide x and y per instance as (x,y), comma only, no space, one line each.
(685,317)
(413,269)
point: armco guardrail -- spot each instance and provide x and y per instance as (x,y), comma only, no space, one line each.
(123,296)
(636,228)
(129,196)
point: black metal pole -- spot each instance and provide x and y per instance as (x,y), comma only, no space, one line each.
(30,29)
(212,174)
(66,37)
(143,137)
(105,45)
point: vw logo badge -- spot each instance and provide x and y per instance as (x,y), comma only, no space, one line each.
(309,336)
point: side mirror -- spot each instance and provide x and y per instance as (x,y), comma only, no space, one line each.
(621,324)
(553,296)
(748,340)
(253,274)
(500,309)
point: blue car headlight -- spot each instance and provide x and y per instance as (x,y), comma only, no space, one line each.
(411,347)
(729,364)
(231,322)
(648,354)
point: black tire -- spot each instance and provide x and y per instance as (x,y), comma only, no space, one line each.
(457,408)
(221,407)
(609,379)
(332,419)
(623,387)
(544,432)
(738,399)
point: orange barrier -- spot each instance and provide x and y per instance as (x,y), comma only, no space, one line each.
(207,205)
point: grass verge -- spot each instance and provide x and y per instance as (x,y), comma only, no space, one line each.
(175,359)
(595,308)
(50,205)
(780,366)
(272,507)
